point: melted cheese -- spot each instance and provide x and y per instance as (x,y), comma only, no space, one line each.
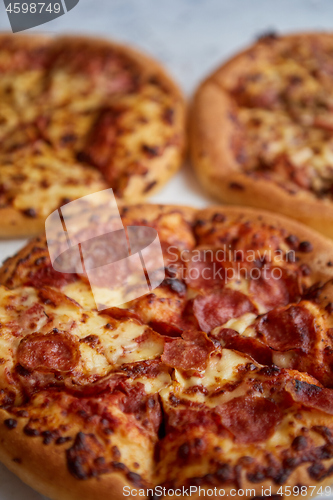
(119,342)
(241,324)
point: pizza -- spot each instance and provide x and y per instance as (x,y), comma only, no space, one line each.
(79,115)
(261,128)
(217,381)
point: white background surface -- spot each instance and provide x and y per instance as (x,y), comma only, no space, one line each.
(191,37)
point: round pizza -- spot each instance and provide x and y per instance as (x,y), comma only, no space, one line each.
(262,128)
(218,381)
(79,115)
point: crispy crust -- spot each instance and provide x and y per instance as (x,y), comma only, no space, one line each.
(213,159)
(24,455)
(24,458)
(16,224)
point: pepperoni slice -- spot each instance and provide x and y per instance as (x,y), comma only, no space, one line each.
(250,419)
(50,352)
(191,352)
(311,395)
(275,287)
(255,348)
(205,271)
(47,276)
(291,328)
(217,308)
(166,329)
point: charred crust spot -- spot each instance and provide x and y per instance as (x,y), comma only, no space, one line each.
(30,212)
(22,413)
(305,247)
(65,200)
(40,261)
(174,400)
(151,151)
(316,471)
(67,138)
(91,340)
(76,459)
(329,308)
(299,443)
(282,476)
(269,371)
(199,223)
(218,218)
(30,431)
(305,270)
(10,423)
(84,457)
(292,241)
(119,466)
(224,473)
(256,477)
(268,36)
(168,116)
(313,292)
(184,451)
(149,186)
(116,453)
(175,285)
(324,432)
(236,186)
(134,478)
(62,440)
(48,437)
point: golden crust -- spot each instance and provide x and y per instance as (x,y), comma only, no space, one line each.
(137,186)
(15,225)
(214,133)
(24,457)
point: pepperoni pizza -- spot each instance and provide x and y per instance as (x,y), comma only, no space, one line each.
(79,115)
(219,379)
(261,128)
